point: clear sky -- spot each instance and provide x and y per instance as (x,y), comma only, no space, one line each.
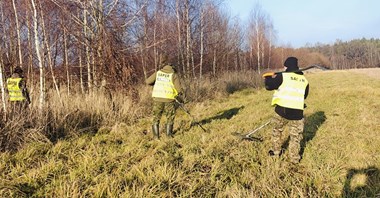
(298,22)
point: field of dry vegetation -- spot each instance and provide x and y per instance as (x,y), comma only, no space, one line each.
(95,147)
(372,72)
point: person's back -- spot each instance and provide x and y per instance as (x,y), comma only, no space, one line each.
(17,91)
(167,73)
(283,80)
(291,89)
(166,88)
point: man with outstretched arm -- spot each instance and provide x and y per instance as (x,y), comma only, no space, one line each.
(291,89)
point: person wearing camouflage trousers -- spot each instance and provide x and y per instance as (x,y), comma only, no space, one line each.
(291,89)
(295,133)
(166,89)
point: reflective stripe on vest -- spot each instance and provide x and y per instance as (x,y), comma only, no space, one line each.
(164,87)
(291,93)
(15,93)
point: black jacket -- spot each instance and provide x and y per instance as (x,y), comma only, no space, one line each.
(288,113)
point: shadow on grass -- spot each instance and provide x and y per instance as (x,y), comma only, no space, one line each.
(73,123)
(312,124)
(362,183)
(227,114)
(311,127)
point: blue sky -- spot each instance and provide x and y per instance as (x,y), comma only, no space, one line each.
(298,22)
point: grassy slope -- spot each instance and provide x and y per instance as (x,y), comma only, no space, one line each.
(341,154)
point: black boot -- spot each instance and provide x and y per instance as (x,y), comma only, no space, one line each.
(169,130)
(272,153)
(155,129)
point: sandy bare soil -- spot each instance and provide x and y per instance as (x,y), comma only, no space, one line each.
(372,72)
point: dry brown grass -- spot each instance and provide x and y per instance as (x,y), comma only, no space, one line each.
(371,72)
(75,114)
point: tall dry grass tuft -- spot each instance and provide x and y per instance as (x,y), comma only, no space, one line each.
(69,116)
(74,114)
(221,86)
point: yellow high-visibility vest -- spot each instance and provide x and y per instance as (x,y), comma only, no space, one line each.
(15,93)
(291,93)
(164,87)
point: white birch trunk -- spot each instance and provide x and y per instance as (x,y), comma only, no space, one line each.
(87,48)
(3,99)
(257,29)
(49,57)
(202,45)
(2,87)
(101,36)
(37,46)
(188,38)
(18,33)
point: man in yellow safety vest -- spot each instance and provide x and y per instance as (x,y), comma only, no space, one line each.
(291,89)
(166,87)
(17,91)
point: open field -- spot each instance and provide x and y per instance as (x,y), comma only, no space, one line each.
(372,72)
(340,151)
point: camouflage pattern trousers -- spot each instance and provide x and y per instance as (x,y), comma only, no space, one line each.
(160,107)
(295,128)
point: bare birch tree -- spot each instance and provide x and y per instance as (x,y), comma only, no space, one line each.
(18,33)
(2,80)
(48,52)
(201,54)
(2,87)
(258,37)
(39,59)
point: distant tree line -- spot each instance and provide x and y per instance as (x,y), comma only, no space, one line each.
(76,44)
(358,53)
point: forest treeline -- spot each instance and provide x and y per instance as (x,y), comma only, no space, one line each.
(78,44)
(357,53)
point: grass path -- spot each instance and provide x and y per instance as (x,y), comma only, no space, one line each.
(340,152)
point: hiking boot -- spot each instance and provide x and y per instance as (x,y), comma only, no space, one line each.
(274,153)
(155,129)
(169,130)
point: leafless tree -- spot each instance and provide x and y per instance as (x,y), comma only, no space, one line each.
(39,58)
(260,27)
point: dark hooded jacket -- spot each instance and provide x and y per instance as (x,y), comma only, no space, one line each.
(275,82)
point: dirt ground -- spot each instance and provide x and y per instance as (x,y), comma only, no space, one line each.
(372,72)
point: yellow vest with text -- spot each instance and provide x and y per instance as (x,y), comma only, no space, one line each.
(291,93)
(15,93)
(163,86)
